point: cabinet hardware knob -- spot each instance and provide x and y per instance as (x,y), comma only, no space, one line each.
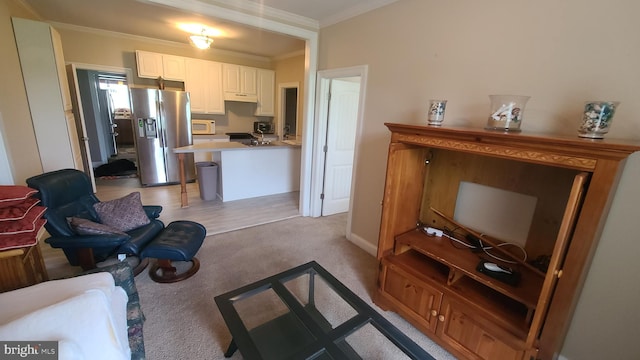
(434,313)
(558,273)
(441,318)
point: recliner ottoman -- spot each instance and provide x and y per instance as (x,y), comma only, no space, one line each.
(178,241)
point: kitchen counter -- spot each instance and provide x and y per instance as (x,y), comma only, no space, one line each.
(246,171)
(211,146)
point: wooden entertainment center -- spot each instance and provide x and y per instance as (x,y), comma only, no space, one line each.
(432,281)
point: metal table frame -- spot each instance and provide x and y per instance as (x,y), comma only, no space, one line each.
(327,340)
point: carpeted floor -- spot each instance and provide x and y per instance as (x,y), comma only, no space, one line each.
(183,321)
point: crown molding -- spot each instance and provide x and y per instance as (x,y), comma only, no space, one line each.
(120,35)
(245,7)
(289,55)
(256,20)
(354,11)
(29,9)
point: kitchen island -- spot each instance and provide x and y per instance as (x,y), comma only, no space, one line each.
(247,171)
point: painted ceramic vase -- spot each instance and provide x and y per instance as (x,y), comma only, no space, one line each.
(597,118)
(506,112)
(436,112)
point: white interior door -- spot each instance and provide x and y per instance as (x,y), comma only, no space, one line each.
(80,124)
(340,144)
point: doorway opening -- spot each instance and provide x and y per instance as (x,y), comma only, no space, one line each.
(100,97)
(107,117)
(340,112)
(288,111)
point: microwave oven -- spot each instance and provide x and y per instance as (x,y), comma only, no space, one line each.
(203,127)
(265,127)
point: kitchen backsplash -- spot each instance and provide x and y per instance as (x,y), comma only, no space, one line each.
(239,117)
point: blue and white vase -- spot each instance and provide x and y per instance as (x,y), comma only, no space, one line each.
(436,112)
(597,118)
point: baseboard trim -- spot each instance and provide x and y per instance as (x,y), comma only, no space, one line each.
(363,244)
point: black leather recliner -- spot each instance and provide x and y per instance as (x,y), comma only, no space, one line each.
(68,193)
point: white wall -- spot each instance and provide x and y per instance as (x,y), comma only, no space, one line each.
(561,53)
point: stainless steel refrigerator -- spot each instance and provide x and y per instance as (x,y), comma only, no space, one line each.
(162,121)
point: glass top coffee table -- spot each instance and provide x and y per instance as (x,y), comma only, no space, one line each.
(306,313)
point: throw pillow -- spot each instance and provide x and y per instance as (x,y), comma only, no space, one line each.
(11,195)
(123,214)
(18,211)
(26,224)
(83,226)
(14,241)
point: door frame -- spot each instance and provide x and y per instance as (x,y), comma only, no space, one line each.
(322,105)
(80,121)
(282,88)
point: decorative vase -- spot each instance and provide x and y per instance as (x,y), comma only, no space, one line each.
(436,112)
(596,119)
(506,112)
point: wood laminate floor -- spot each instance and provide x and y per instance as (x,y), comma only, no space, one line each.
(216,216)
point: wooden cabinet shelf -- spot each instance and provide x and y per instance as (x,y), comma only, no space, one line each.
(464,262)
(436,286)
(511,314)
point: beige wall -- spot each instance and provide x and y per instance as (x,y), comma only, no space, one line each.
(561,53)
(291,70)
(119,50)
(19,136)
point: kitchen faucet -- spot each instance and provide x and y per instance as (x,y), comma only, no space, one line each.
(286,132)
(262,142)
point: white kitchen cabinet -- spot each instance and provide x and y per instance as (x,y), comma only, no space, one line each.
(266,92)
(45,80)
(240,83)
(149,64)
(173,67)
(203,81)
(153,65)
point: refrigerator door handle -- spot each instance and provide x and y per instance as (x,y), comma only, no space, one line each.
(161,130)
(163,133)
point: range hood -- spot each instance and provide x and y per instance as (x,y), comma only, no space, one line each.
(228,96)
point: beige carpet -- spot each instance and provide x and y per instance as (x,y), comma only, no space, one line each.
(183,321)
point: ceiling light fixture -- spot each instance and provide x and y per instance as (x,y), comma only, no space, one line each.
(201,41)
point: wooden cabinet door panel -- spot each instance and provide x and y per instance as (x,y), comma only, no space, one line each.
(149,64)
(423,300)
(195,84)
(173,67)
(213,88)
(266,93)
(248,80)
(231,78)
(473,335)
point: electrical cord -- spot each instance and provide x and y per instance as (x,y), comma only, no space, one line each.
(446,233)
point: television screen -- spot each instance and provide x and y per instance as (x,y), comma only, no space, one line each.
(504,215)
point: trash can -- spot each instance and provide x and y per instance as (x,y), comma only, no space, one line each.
(207,173)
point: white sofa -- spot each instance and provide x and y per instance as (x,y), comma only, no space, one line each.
(87,315)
